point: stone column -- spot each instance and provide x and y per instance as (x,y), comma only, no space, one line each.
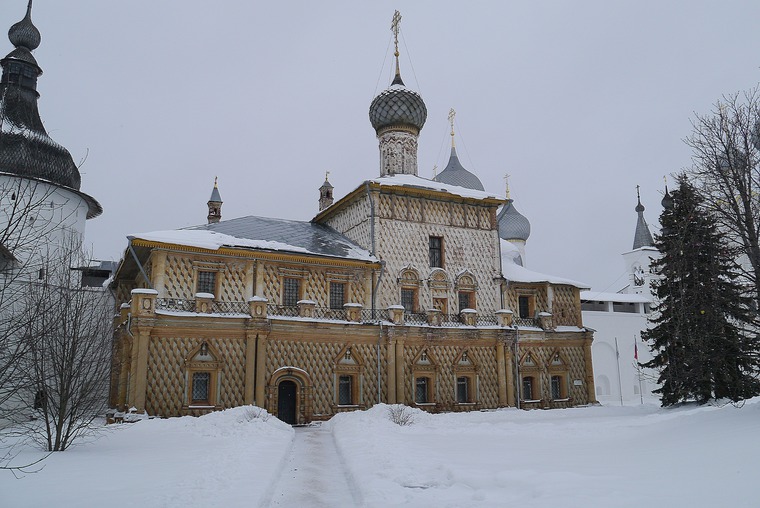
(400,371)
(259,288)
(509,363)
(249,274)
(501,373)
(261,366)
(391,348)
(140,369)
(590,389)
(158,272)
(250,366)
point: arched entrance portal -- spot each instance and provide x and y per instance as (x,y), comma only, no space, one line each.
(289,395)
(286,401)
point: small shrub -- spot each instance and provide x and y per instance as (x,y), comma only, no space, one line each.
(400,414)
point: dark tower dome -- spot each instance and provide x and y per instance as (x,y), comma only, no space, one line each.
(398,107)
(512,224)
(24,33)
(26,150)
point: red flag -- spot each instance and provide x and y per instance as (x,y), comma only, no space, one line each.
(635,350)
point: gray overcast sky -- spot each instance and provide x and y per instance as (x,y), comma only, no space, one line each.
(578,101)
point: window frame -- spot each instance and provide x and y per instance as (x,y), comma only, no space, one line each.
(530,304)
(436,252)
(470,299)
(332,303)
(530,380)
(350,383)
(414,299)
(206,286)
(285,296)
(425,382)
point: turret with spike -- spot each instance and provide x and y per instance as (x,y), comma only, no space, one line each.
(642,237)
(325,193)
(215,205)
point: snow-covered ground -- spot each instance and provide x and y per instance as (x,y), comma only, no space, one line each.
(636,456)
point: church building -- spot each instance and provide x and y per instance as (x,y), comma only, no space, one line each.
(405,290)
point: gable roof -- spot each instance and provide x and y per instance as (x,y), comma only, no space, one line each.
(264,233)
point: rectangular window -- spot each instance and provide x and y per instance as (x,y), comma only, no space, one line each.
(436,252)
(408,299)
(527,387)
(463,392)
(524,306)
(421,390)
(344,391)
(291,292)
(556,387)
(201,382)
(337,295)
(206,282)
(466,300)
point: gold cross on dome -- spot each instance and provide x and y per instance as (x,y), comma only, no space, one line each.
(395,27)
(506,180)
(452,114)
(327,174)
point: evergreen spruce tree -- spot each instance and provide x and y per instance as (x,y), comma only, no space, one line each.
(701,341)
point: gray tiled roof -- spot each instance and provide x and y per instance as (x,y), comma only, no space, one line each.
(315,238)
(455,174)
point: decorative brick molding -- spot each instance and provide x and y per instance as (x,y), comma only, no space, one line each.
(306,308)
(258,307)
(353,312)
(504,317)
(144,302)
(396,312)
(434,317)
(469,317)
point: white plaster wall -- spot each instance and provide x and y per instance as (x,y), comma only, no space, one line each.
(39,218)
(626,327)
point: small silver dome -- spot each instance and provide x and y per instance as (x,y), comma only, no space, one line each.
(512,224)
(455,174)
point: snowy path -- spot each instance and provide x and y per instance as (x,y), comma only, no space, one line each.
(314,474)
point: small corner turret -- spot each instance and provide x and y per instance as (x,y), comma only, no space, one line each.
(325,193)
(215,205)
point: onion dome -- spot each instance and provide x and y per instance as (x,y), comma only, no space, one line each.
(667,200)
(455,174)
(398,107)
(642,237)
(26,149)
(24,33)
(512,224)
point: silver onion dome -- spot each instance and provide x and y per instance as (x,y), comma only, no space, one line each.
(398,106)
(512,224)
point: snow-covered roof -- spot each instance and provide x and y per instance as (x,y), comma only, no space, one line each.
(423,183)
(517,273)
(266,234)
(599,296)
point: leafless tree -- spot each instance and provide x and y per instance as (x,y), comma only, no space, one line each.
(726,171)
(29,219)
(69,352)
